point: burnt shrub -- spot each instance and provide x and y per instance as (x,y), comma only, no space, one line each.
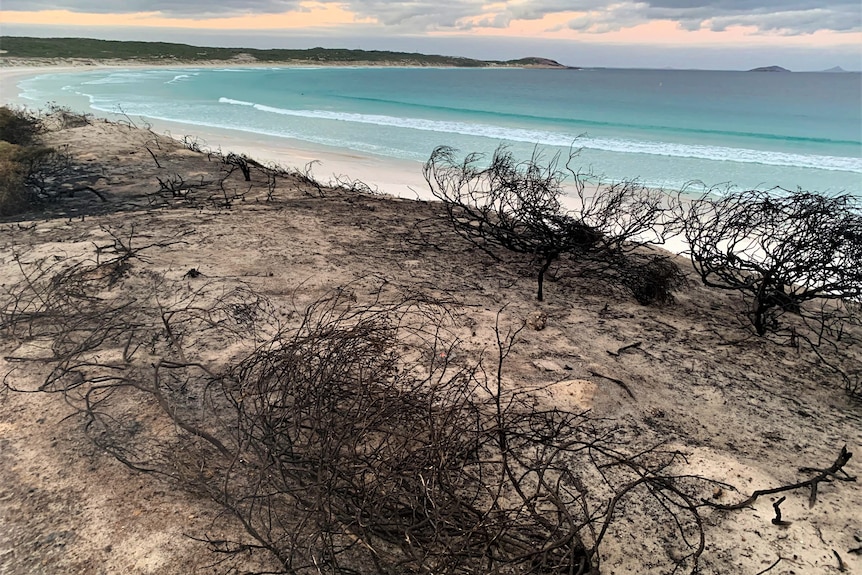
(781,249)
(518,206)
(651,279)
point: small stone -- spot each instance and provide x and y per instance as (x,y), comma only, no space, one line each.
(537,320)
(547,365)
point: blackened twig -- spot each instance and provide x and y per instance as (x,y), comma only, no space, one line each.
(823,475)
(777,520)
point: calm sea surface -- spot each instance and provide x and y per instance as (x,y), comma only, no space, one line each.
(665,128)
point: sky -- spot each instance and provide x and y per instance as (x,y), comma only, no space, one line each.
(707,34)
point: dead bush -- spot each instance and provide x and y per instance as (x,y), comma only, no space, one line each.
(651,279)
(518,206)
(62,117)
(360,438)
(779,248)
(796,257)
(355,441)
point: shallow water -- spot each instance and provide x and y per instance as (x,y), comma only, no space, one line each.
(666,128)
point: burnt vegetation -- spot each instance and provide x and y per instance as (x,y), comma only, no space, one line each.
(349,438)
(518,206)
(796,256)
(357,433)
(782,249)
(788,253)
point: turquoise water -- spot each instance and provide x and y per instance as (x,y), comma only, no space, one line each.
(665,128)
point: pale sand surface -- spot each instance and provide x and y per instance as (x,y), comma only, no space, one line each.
(743,411)
(399,178)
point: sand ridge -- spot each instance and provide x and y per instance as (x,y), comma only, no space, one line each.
(745,411)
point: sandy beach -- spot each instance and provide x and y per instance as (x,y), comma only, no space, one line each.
(687,376)
(393,177)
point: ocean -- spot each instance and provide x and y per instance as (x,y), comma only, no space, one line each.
(665,128)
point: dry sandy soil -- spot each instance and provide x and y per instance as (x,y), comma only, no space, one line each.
(744,411)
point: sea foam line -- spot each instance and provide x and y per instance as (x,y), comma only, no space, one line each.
(179,77)
(697,131)
(542,137)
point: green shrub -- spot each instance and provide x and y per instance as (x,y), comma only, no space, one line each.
(13,193)
(29,171)
(18,127)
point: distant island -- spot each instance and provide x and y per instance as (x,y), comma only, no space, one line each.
(90,51)
(833,70)
(769,69)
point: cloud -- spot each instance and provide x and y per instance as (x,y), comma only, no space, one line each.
(783,16)
(174,8)
(419,15)
(790,22)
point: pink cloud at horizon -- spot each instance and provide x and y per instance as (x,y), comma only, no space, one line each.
(706,34)
(335,18)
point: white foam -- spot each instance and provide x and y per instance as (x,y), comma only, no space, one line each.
(118,78)
(235,102)
(546,138)
(178,78)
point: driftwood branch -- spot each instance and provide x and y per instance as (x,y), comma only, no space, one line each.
(635,345)
(777,519)
(155,159)
(841,565)
(835,471)
(615,380)
(777,561)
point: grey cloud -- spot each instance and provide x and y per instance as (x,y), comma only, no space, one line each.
(500,20)
(425,13)
(752,5)
(417,14)
(787,16)
(184,8)
(788,22)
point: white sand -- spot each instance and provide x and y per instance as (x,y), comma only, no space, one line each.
(399,178)
(742,412)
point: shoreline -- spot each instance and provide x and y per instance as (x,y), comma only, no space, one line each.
(398,178)
(388,176)
(234,276)
(627,148)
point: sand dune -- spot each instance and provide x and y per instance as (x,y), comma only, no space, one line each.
(744,411)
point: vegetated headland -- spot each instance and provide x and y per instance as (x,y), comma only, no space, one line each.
(769,69)
(87,50)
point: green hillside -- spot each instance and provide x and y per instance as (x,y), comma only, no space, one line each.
(85,48)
